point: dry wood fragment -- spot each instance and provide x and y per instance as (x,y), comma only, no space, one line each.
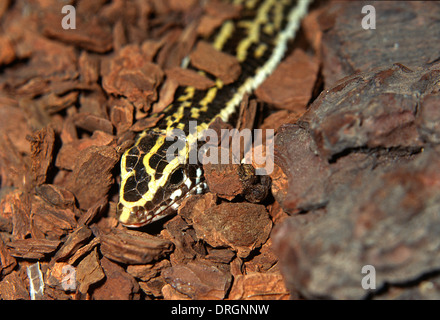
(89,67)
(42,146)
(220,255)
(264,261)
(7,262)
(32,248)
(146,272)
(290,86)
(13,167)
(7,54)
(118,284)
(12,287)
(91,178)
(169,293)
(89,271)
(216,13)
(241,226)
(185,240)
(196,204)
(93,123)
(83,251)
(133,247)
(75,240)
(56,196)
(93,212)
(259,286)
(166,96)
(129,75)
(71,150)
(21,209)
(96,37)
(47,221)
(13,124)
(145,123)
(203,280)
(188,77)
(154,287)
(57,101)
(121,115)
(206,57)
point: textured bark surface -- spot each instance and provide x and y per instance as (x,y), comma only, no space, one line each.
(362,162)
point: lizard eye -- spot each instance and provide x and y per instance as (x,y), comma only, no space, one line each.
(177,177)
